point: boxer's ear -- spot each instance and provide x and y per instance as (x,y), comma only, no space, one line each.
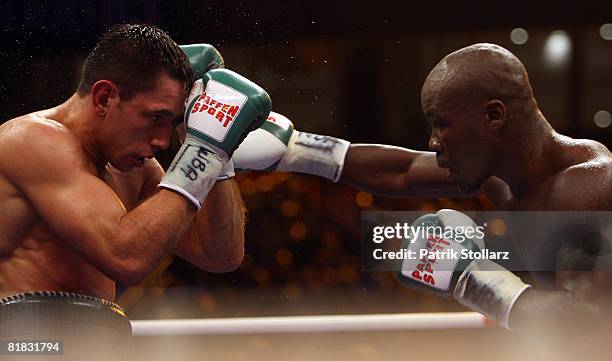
(496,114)
(101,94)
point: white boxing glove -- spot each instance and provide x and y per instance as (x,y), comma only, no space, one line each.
(276,145)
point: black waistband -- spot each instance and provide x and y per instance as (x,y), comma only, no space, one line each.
(59,312)
(86,325)
(64,298)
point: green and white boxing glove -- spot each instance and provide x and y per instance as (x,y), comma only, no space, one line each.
(221,109)
(276,145)
(203,57)
(478,284)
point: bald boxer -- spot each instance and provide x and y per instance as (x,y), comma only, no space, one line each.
(488,136)
(85,204)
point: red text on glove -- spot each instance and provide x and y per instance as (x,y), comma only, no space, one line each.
(424,271)
(224,113)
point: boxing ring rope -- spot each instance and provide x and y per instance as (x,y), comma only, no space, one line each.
(308,324)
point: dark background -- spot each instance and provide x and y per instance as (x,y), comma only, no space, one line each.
(347,69)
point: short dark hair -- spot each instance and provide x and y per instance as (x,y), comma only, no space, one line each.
(131,56)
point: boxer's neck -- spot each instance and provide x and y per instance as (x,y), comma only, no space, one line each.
(76,114)
(527,160)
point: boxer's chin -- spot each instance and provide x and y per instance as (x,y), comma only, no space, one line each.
(467,186)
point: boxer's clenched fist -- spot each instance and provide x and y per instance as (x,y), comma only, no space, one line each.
(222,108)
(479,284)
(203,57)
(276,145)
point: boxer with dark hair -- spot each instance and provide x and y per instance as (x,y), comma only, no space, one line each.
(86,205)
(150,52)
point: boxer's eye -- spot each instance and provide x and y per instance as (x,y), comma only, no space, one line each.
(158,116)
(438,126)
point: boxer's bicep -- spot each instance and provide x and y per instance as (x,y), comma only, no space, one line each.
(586,286)
(584,259)
(554,309)
(79,207)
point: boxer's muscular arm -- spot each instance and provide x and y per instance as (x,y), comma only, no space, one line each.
(576,304)
(394,171)
(214,242)
(45,162)
(583,299)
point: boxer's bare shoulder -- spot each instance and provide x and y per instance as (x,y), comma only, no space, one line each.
(32,137)
(25,142)
(37,121)
(586,184)
(583,180)
(34,148)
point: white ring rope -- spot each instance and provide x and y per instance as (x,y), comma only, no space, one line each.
(304,324)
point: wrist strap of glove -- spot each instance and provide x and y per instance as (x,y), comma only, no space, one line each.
(194,171)
(490,289)
(314,154)
(227,172)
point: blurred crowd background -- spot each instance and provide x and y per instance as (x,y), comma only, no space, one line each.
(347,69)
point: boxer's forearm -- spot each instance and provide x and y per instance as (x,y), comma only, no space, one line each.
(221,228)
(130,248)
(215,242)
(394,171)
(553,310)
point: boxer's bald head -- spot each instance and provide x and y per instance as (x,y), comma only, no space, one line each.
(477,98)
(477,74)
